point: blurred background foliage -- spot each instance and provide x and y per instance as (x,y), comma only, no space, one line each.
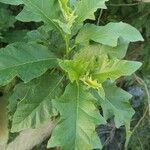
(138,15)
(129,11)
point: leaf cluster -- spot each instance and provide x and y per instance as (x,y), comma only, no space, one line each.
(66,69)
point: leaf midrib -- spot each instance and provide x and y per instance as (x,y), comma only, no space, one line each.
(77,112)
(26,63)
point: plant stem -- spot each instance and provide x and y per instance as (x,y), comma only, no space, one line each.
(67,44)
(142,82)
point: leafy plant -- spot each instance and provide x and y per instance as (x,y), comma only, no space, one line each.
(68,70)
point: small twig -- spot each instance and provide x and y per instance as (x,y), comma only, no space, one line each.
(140,121)
(110,137)
(139,141)
(142,82)
(137,125)
(100,15)
(118,5)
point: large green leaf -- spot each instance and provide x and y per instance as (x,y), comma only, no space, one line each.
(35,105)
(42,10)
(26,61)
(109,34)
(79,117)
(85,9)
(12,2)
(27,16)
(64,8)
(116,103)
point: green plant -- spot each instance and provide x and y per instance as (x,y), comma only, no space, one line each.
(68,71)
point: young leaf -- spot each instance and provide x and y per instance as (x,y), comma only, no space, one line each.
(35,106)
(68,15)
(65,9)
(109,34)
(79,118)
(113,68)
(26,61)
(82,62)
(75,69)
(90,61)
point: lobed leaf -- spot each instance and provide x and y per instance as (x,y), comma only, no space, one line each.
(109,34)
(78,118)
(35,105)
(85,9)
(26,61)
(26,15)
(115,104)
(42,10)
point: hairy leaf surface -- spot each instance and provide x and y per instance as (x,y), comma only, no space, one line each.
(114,68)
(99,67)
(75,69)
